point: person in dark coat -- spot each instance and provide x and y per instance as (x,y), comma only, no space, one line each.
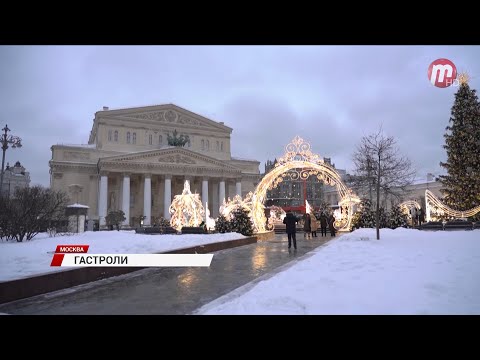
(421,217)
(323,224)
(290,222)
(307,226)
(331,221)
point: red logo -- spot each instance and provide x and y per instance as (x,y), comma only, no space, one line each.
(442,73)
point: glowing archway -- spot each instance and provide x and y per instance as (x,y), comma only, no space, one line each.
(407,205)
(300,163)
(435,209)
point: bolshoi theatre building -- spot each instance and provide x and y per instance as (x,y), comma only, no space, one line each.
(128,165)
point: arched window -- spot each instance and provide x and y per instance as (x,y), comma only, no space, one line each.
(128,137)
(203,144)
(218,146)
(221,146)
(208,145)
(115,136)
(150,139)
(160,139)
(109,135)
(134,138)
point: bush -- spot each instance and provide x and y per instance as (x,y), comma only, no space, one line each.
(115,218)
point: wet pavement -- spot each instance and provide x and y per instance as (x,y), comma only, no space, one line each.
(169,290)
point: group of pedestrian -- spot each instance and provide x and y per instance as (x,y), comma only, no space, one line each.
(310,226)
(418,216)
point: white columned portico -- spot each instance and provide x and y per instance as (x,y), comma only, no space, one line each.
(221,191)
(102,200)
(204,192)
(167,196)
(238,188)
(147,200)
(126,198)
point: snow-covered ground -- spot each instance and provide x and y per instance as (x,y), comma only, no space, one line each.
(33,257)
(405,272)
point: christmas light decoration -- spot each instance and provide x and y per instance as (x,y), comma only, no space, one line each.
(407,205)
(299,162)
(277,214)
(186,209)
(231,204)
(435,209)
(209,222)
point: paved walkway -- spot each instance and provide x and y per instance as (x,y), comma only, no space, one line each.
(169,290)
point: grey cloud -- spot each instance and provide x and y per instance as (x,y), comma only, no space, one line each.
(329,95)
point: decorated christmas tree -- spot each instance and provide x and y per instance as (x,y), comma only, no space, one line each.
(461,185)
(397,218)
(364,217)
(241,222)
(222,225)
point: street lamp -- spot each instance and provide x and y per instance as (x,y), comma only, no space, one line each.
(7,140)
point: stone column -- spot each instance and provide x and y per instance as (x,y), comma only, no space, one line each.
(204,192)
(102,200)
(167,196)
(238,187)
(221,191)
(126,199)
(147,200)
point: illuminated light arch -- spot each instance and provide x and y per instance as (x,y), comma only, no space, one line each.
(299,162)
(436,209)
(407,205)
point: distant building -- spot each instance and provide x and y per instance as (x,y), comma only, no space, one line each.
(14,177)
(129,164)
(415,191)
(291,194)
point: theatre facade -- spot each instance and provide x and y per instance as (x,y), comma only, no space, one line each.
(128,165)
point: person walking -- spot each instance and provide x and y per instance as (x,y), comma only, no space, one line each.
(330,225)
(413,213)
(421,217)
(290,222)
(314,225)
(323,224)
(307,226)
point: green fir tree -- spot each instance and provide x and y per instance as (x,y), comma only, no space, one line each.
(461,185)
(397,218)
(364,217)
(241,222)
(222,225)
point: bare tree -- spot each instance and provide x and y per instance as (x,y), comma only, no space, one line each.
(380,168)
(31,211)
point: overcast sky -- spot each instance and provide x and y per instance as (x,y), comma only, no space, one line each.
(329,95)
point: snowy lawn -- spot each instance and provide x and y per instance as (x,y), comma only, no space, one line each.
(405,272)
(33,257)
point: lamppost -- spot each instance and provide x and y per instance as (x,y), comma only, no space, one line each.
(7,140)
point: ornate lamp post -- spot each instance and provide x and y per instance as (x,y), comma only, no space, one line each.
(7,140)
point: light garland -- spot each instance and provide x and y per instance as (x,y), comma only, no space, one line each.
(186,209)
(407,205)
(436,209)
(299,156)
(209,222)
(277,214)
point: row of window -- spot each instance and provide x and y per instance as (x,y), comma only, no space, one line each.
(206,145)
(132,139)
